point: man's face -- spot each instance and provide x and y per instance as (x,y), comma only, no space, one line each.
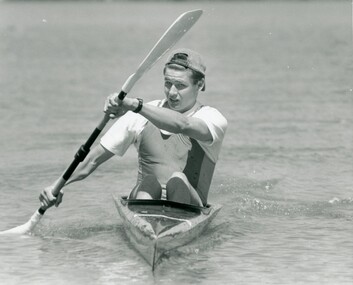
(179,89)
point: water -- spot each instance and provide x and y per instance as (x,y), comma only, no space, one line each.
(282,75)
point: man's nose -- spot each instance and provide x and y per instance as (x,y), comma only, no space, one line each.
(173,91)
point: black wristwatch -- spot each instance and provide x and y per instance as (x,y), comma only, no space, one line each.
(139,107)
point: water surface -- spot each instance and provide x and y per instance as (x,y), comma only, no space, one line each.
(282,75)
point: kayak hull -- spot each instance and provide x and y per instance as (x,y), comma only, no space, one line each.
(155,227)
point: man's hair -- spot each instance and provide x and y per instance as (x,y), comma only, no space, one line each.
(195,75)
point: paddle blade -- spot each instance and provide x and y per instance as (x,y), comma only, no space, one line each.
(25,228)
(174,33)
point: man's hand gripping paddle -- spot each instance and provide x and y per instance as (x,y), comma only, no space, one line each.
(174,33)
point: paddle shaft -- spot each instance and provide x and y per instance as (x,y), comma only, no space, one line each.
(79,156)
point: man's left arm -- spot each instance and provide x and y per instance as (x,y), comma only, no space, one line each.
(177,123)
(166,119)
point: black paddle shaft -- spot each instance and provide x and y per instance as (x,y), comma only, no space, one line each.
(80,155)
(122,95)
(85,148)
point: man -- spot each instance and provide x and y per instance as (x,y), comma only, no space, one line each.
(178,139)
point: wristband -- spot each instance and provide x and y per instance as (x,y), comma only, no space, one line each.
(139,107)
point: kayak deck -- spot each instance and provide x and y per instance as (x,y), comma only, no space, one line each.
(157,226)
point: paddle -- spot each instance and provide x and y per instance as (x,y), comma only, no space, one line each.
(174,33)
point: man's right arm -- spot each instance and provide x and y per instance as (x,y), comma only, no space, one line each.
(95,158)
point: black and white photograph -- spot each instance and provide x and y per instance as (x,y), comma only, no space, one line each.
(176,142)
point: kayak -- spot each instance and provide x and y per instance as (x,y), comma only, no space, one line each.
(155,227)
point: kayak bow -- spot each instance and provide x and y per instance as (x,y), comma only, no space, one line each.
(155,227)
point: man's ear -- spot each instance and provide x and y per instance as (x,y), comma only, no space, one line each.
(201,83)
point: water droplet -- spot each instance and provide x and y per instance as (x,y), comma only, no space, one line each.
(44,20)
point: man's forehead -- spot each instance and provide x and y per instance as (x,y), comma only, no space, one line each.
(172,74)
